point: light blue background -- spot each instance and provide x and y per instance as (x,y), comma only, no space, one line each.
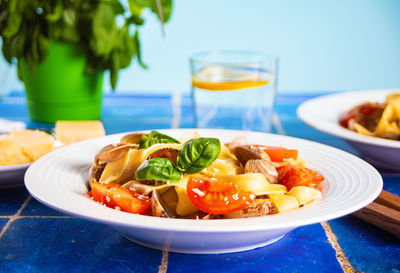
(323,45)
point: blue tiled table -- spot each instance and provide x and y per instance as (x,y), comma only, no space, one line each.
(35,238)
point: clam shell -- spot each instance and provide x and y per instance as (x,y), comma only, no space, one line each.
(258,207)
(159,208)
(262,166)
(246,153)
(132,138)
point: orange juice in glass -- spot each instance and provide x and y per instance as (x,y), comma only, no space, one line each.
(233,89)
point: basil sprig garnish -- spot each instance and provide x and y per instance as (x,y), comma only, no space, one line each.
(197,154)
(194,155)
(154,138)
(160,169)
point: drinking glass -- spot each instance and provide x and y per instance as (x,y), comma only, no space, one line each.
(233,89)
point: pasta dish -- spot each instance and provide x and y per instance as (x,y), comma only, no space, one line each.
(375,119)
(200,178)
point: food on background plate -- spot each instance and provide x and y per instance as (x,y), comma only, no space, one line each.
(200,178)
(68,132)
(24,146)
(375,119)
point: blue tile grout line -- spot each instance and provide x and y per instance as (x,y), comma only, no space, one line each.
(15,216)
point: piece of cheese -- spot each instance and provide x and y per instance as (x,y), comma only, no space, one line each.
(69,132)
(24,146)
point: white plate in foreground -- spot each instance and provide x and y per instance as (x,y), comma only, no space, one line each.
(59,180)
(323,114)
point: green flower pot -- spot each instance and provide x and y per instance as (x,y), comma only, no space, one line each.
(59,88)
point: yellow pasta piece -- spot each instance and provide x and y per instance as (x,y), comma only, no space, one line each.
(146,189)
(304,195)
(184,206)
(283,202)
(124,168)
(225,164)
(120,170)
(253,182)
(155,147)
(394,100)
(171,198)
(388,124)
(361,129)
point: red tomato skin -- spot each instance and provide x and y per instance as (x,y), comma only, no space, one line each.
(292,176)
(217,197)
(345,119)
(277,153)
(116,197)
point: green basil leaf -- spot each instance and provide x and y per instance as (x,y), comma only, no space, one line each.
(104,29)
(160,169)
(56,14)
(154,138)
(197,154)
(136,40)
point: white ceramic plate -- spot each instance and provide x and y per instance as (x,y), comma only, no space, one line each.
(323,114)
(59,180)
(13,175)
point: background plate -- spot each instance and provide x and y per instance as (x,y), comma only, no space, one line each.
(323,114)
(12,176)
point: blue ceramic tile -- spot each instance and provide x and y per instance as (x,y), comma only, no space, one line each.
(35,208)
(3,222)
(71,245)
(302,250)
(368,248)
(11,200)
(392,184)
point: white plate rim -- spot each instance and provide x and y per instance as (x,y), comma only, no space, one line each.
(337,130)
(270,222)
(16,167)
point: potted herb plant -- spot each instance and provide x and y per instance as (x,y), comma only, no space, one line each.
(63,47)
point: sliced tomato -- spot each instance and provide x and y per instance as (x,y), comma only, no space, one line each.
(117,197)
(277,153)
(345,118)
(292,176)
(217,197)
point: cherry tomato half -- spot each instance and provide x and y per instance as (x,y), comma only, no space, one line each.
(113,196)
(292,176)
(217,197)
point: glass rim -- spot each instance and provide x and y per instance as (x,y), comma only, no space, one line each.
(259,57)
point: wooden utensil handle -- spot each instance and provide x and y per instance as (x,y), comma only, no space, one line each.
(389,200)
(381,216)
